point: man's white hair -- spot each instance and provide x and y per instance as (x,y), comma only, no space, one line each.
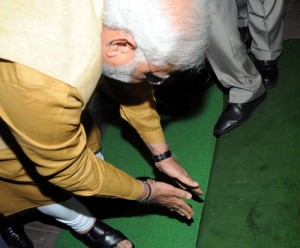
(171,32)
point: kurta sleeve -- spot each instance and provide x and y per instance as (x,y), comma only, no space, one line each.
(44,115)
(138,108)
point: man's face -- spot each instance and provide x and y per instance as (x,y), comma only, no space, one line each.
(137,70)
(120,73)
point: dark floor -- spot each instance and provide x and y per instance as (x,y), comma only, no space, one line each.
(44,236)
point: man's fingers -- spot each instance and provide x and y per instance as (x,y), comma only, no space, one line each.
(182,212)
(174,170)
(187,180)
(172,198)
(183,194)
(196,190)
(183,209)
(180,206)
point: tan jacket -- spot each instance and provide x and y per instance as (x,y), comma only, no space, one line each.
(56,47)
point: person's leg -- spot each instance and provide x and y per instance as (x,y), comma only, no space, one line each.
(266,25)
(71,213)
(267,28)
(228,57)
(86,228)
(242,9)
(227,54)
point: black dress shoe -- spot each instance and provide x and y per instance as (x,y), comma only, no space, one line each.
(235,114)
(15,237)
(268,71)
(101,236)
(246,38)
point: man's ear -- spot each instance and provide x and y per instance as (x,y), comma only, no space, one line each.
(120,45)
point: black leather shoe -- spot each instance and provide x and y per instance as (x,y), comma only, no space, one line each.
(101,236)
(246,38)
(15,237)
(268,71)
(235,114)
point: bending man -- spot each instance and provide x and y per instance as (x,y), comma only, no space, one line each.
(52,54)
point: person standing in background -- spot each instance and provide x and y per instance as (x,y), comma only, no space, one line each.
(228,56)
(263,23)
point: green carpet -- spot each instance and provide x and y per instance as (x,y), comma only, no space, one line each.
(253,192)
(192,142)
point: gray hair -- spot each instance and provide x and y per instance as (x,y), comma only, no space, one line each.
(167,31)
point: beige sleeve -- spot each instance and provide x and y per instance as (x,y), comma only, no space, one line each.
(44,116)
(138,108)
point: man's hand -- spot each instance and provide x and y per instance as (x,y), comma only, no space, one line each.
(174,170)
(170,197)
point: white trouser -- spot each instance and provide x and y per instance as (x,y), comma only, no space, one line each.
(72,213)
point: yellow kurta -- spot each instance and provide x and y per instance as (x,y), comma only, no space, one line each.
(57,50)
